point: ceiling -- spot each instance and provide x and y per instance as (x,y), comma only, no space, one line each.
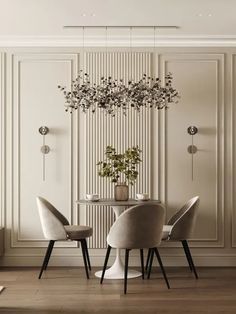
(46,18)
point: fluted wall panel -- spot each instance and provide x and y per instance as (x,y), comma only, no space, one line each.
(119,131)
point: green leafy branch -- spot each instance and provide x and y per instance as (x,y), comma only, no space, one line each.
(117,164)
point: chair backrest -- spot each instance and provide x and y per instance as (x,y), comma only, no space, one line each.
(184,220)
(138,227)
(52,220)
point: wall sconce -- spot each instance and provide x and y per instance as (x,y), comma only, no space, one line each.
(45,149)
(192,149)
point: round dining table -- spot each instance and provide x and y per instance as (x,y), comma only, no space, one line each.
(116,271)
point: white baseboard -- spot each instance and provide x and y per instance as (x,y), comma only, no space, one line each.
(172,261)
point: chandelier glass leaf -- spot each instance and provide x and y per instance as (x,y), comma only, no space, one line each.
(111,95)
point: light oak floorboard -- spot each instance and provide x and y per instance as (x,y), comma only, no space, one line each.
(66,290)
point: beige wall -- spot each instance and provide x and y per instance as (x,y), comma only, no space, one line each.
(205,78)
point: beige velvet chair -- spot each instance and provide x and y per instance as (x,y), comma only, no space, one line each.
(179,228)
(138,227)
(57,228)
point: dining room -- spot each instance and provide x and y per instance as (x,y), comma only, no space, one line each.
(117,145)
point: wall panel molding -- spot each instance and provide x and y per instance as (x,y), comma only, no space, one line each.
(218,62)
(2,139)
(233,172)
(18,64)
(91,133)
(118,41)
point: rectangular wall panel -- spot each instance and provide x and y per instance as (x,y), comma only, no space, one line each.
(233,174)
(38,102)
(199,79)
(2,139)
(120,131)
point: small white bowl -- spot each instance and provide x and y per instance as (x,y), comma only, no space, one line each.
(92,197)
(142,196)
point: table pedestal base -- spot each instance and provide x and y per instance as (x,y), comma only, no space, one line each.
(116,271)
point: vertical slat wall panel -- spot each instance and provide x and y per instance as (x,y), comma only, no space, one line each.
(119,131)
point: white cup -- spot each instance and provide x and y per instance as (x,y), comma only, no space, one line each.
(142,196)
(92,197)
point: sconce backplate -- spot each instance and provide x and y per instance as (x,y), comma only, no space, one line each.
(45,149)
(192,149)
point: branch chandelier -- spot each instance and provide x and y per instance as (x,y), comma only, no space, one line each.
(111,95)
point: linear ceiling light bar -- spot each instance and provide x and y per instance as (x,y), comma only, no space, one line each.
(121,26)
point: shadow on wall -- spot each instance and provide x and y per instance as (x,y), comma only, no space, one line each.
(207,131)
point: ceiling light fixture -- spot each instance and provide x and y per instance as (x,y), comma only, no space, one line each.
(112,95)
(123,26)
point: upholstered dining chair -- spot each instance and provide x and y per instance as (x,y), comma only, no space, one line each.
(57,228)
(139,227)
(179,228)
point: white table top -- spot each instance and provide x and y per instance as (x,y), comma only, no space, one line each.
(113,202)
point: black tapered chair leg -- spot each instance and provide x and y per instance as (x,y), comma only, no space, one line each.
(105,263)
(142,262)
(47,257)
(87,254)
(126,269)
(162,267)
(83,248)
(150,263)
(49,254)
(191,259)
(148,259)
(187,256)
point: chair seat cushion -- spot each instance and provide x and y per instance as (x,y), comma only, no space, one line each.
(166,231)
(78,232)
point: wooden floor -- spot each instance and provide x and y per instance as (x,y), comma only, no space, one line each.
(65,290)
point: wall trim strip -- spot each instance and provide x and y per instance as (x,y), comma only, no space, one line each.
(116,41)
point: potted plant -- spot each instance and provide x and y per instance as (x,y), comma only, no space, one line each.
(121,169)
